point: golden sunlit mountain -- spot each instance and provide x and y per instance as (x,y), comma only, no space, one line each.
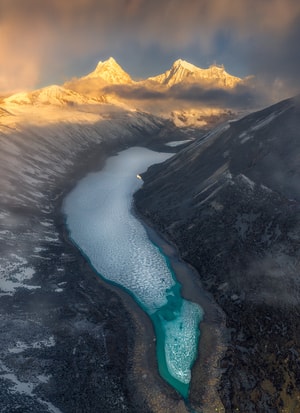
(183,71)
(51,95)
(111,72)
(186,94)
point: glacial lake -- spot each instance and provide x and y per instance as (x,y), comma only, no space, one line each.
(101,223)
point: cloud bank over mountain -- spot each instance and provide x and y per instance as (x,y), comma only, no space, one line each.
(183,85)
(239,97)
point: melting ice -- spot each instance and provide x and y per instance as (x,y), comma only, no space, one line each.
(99,217)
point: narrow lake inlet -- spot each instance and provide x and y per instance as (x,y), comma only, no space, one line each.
(100,222)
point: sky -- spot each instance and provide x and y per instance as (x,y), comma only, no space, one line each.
(44,42)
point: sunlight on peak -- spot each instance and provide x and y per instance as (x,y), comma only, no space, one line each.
(110,61)
(184,64)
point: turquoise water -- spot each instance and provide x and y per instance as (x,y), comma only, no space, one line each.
(100,221)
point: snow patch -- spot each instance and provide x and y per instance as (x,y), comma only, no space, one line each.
(43,379)
(48,342)
(247,181)
(264,122)
(246,139)
(19,347)
(27,388)
(177,143)
(13,273)
(26,274)
(266,188)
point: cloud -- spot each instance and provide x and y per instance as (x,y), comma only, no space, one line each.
(242,96)
(135,92)
(239,97)
(276,58)
(39,39)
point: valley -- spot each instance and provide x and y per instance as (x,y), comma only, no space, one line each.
(227,202)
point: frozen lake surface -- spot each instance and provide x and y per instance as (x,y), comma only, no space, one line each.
(100,222)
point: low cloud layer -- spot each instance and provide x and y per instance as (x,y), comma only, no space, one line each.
(242,96)
(39,40)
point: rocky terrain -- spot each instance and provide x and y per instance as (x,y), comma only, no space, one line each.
(230,201)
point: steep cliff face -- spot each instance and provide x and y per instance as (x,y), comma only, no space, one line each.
(231,202)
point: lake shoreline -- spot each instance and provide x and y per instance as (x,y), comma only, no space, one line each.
(213,335)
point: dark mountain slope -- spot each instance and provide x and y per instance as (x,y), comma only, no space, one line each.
(230,201)
(67,341)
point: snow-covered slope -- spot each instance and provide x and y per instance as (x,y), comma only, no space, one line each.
(185,72)
(52,95)
(57,135)
(51,321)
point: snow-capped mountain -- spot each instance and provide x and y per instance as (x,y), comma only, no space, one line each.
(185,72)
(180,72)
(110,80)
(110,83)
(111,72)
(54,95)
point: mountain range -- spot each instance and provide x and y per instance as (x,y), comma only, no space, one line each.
(185,72)
(167,94)
(180,72)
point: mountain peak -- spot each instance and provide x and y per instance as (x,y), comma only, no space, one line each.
(185,72)
(184,64)
(110,62)
(110,71)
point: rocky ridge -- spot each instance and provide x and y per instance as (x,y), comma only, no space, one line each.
(231,203)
